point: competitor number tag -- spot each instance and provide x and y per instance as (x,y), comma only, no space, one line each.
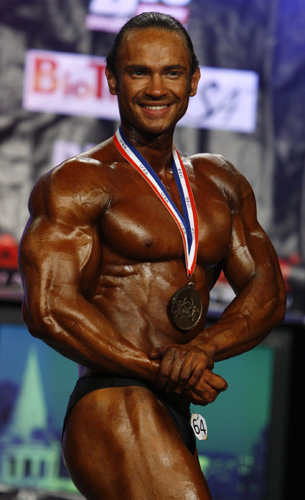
(199,426)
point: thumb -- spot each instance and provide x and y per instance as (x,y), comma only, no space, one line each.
(155,353)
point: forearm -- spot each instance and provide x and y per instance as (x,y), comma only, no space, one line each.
(254,312)
(80,332)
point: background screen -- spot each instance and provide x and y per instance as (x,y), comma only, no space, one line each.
(35,383)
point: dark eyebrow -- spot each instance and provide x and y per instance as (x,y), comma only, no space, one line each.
(141,67)
(136,67)
(175,66)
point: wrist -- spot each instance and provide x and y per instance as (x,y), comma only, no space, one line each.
(205,342)
(151,370)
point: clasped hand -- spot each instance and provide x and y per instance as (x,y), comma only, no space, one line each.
(187,369)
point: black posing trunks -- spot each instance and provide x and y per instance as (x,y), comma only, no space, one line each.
(92,382)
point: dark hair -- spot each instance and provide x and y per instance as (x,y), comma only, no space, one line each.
(151,20)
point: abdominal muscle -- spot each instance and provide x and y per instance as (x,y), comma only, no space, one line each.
(135,298)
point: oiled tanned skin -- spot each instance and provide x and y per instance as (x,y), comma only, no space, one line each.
(101,258)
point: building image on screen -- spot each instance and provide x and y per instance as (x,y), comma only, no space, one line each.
(35,384)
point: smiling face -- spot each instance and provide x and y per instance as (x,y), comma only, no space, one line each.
(153,82)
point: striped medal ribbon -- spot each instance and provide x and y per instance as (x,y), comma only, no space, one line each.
(186,304)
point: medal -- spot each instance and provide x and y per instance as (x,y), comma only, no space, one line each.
(186,304)
(186,307)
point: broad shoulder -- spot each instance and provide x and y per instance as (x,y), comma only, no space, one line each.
(80,185)
(216,170)
(213,165)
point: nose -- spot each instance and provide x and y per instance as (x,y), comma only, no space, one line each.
(156,87)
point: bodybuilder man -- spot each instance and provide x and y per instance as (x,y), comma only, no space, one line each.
(123,245)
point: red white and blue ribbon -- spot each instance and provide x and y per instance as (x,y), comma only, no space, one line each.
(188,223)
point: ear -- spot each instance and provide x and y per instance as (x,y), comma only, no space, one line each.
(194,82)
(112,84)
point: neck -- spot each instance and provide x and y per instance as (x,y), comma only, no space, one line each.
(155,148)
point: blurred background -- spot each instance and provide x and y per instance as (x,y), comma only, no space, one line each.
(250,107)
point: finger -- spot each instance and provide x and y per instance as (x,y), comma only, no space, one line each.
(167,366)
(189,376)
(180,369)
(155,353)
(179,375)
(216,381)
(203,396)
(194,377)
(206,397)
(155,366)
(206,389)
(192,371)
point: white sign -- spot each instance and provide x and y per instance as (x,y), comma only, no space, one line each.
(226,99)
(199,426)
(113,7)
(72,84)
(128,7)
(111,15)
(75,84)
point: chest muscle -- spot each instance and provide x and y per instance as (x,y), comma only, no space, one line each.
(139,227)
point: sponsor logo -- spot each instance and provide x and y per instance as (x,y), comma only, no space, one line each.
(111,15)
(65,83)
(226,99)
(75,84)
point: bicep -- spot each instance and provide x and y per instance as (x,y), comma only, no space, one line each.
(250,253)
(53,257)
(60,242)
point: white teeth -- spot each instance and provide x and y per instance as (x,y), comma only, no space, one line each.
(155,107)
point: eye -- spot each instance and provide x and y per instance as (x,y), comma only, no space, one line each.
(137,73)
(173,74)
